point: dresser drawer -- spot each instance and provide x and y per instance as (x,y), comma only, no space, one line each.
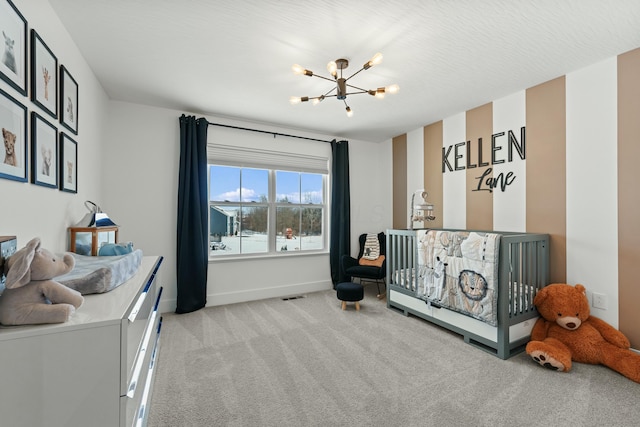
(137,323)
(134,404)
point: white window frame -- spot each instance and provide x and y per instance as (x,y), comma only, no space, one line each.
(243,157)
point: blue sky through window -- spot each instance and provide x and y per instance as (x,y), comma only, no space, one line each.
(225,182)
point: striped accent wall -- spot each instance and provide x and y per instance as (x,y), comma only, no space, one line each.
(628,194)
(399,159)
(578,180)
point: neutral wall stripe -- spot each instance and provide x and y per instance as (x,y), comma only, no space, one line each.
(454,183)
(510,205)
(415,168)
(546,170)
(592,202)
(629,194)
(433,169)
(399,153)
(479,204)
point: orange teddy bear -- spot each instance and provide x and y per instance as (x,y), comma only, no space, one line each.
(567,332)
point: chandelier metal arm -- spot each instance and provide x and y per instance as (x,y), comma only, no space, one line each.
(335,95)
(323,77)
(361,69)
(359,88)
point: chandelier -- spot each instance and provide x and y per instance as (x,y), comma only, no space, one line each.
(342,88)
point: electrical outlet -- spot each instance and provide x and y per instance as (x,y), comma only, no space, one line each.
(599,301)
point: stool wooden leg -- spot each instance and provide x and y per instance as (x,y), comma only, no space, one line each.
(357,306)
(344,305)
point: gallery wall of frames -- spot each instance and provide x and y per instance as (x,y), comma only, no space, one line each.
(39,144)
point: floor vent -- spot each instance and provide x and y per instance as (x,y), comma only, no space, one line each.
(290,298)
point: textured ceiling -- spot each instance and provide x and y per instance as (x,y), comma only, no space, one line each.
(233,58)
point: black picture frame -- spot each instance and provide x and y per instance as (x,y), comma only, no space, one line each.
(68,100)
(44,152)
(13,124)
(13,59)
(44,76)
(68,164)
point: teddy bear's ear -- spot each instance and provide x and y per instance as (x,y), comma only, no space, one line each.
(541,295)
(20,265)
(581,288)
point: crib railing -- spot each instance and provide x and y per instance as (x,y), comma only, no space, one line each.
(402,259)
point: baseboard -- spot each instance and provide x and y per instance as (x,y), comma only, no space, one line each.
(225,298)
(258,294)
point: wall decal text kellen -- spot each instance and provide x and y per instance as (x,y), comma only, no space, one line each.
(486,182)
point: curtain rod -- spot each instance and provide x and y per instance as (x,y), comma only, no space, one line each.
(264,131)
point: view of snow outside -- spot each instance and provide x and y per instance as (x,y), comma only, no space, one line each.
(239,210)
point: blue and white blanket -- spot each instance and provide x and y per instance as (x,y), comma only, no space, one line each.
(99,274)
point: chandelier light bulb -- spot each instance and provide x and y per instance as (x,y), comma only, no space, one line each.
(380,93)
(298,99)
(332,67)
(393,89)
(297,69)
(349,112)
(377,58)
(318,100)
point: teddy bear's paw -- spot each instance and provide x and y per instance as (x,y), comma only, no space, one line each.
(544,359)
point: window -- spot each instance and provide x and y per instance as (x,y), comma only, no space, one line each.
(257,211)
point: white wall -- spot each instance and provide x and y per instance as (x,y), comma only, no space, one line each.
(28,210)
(128,164)
(140,192)
(592,234)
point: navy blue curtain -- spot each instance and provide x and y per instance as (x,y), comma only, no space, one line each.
(340,230)
(193,234)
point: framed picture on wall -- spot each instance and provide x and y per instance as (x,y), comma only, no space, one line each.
(68,164)
(68,100)
(13,59)
(44,152)
(13,122)
(44,76)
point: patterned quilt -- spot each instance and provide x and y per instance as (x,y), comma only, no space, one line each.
(459,271)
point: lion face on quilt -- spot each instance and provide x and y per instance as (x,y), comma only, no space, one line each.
(473,285)
(567,332)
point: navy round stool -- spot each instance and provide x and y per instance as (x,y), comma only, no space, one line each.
(349,291)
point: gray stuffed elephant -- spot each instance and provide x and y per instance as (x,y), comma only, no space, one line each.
(30,296)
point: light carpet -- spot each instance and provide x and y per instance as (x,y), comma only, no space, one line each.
(305,362)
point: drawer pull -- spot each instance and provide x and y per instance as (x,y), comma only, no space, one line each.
(147,387)
(136,308)
(143,349)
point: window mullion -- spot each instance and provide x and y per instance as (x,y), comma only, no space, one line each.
(271,228)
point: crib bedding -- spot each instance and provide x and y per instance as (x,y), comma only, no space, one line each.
(99,274)
(459,271)
(521,295)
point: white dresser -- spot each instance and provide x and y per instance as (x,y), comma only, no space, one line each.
(94,370)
